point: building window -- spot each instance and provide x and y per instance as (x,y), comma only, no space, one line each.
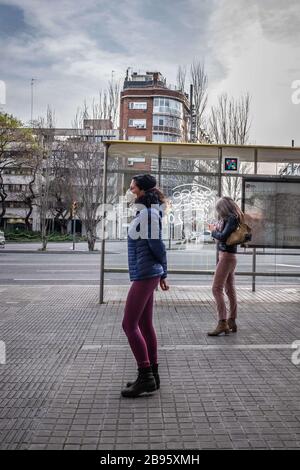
(160,137)
(167,121)
(137,105)
(138,138)
(138,123)
(133,160)
(168,106)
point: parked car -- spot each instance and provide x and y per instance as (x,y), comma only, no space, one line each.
(202,237)
(2,240)
(207,237)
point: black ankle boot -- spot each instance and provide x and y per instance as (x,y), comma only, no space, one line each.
(145,383)
(154,368)
(155,375)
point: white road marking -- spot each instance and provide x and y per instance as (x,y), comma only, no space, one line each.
(51,279)
(50,264)
(288,265)
(200,347)
(64,270)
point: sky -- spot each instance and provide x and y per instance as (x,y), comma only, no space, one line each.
(73,48)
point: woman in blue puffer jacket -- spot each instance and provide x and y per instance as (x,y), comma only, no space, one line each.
(147,262)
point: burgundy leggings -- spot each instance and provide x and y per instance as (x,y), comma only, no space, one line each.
(137,321)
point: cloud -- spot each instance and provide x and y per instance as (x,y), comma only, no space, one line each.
(72,49)
(280,21)
(77,46)
(257,47)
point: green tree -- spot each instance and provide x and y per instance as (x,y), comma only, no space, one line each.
(17,145)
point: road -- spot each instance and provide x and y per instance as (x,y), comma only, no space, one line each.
(83,268)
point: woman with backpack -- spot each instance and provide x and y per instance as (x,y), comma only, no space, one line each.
(229,217)
(147,262)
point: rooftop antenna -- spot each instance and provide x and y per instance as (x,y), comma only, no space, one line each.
(31,112)
(127,73)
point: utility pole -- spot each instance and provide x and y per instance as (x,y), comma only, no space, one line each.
(73,214)
(192,116)
(74,233)
(31,112)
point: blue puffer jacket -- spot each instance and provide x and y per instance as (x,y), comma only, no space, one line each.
(146,251)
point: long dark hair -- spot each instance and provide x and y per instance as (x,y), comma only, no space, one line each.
(226,207)
(151,196)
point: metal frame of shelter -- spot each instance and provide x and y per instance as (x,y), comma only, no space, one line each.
(254,154)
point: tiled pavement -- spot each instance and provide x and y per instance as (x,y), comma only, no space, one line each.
(67,359)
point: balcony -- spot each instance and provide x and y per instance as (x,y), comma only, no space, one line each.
(168,130)
(168,111)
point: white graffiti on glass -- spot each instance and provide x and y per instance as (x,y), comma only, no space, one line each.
(192,205)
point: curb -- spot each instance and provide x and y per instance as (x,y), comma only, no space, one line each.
(59,252)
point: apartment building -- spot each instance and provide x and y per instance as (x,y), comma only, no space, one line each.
(150,110)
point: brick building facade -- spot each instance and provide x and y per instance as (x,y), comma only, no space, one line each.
(149,110)
(152,111)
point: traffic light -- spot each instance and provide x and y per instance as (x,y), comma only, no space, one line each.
(74,209)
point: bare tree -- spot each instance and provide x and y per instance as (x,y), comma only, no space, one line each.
(45,174)
(61,189)
(229,123)
(181,78)
(86,164)
(199,80)
(107,106)
(114,101)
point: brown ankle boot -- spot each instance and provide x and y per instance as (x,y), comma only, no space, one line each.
(232,325)
(221,328)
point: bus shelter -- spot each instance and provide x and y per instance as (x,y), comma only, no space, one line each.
(263,180)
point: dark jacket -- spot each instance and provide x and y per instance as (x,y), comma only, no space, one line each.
(146,251)
(230,225)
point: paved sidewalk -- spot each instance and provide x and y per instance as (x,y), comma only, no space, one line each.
(67,360)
